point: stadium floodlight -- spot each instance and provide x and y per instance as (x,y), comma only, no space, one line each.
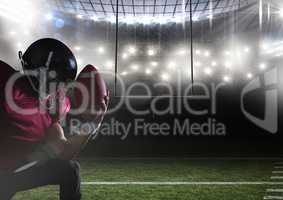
(9,16)
(19,45)
(171,65)
(163,20)
(134,20)
(198,64)
(165,77)
(132,50)
(12,33)
(247,49)
(178,20)
(148,71)
(198,52)
(148,20)
(154,64)
(129,20)
(125,56)
(18,11)
(124,73)
(135,67)
(111,19)
(208,71)
(213,63)
(210,16)
(49,16)
(182,52)
(227,53)
(77,48)
(207,53)
(264,45)
(94,18)
(79,16)
(150,52)
(101,50)
(109,64)
(195,18)
(226,78)
(249,75)
(262,66)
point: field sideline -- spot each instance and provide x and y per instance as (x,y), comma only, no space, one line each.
(173,178)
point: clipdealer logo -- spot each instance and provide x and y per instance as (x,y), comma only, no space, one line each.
(269,84)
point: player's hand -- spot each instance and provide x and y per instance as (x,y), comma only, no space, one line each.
(96,116)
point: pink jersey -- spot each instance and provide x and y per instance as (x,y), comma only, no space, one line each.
(20,131)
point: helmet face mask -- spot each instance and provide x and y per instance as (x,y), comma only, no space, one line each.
(48,62)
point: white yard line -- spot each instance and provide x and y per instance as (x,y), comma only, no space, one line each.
(276,177)
(277,190)
(187,158)
(273,197)
(178,183)
(274,190)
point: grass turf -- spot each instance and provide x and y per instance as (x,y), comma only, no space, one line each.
(165,170)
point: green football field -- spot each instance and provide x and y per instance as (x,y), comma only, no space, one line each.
(169,178)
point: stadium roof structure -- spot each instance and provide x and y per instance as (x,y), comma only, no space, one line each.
(154,9)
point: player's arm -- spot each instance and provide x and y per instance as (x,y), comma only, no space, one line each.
(68,148)
(62,147)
